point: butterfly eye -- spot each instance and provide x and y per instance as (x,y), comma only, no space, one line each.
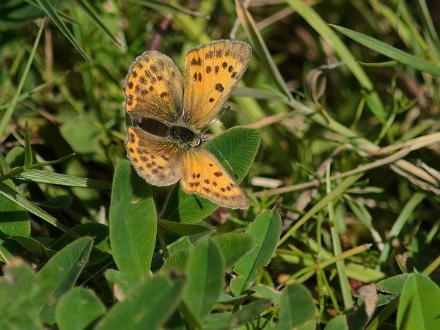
(198,142)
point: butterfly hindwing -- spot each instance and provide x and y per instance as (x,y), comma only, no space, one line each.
(202,174)
(211,72)
(155,159)
(153,88)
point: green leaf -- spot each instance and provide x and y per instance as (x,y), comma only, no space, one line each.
(394,284)
(11,108)
(390,51)
(266,230)
(419,304)
(26,204)
(53,15)
(263,291)
(169,7)
(125,282)
(133,221)
(316,22)
(21,296)
(34,246)
(238,146)
(258,42)
(84,140)
(28,157)
(337,323)
(147,307)
(297,309)
(100,233)
(63,179)
(178,260)
(77,309)
(246,313)
(14,221)
(94,17)
(182,229)
(233,246)
(63,269)
(205,275)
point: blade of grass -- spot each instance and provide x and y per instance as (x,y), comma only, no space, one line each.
(53,15)
(337,249)
(63,179)
(156,4)
(390,51)
(333,195)
(428,20)
(11,107)
(94,17)
(23,202)
(403,218)
(28,158)
(257,40)
(316,22)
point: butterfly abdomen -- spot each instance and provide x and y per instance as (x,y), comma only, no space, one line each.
(154,127)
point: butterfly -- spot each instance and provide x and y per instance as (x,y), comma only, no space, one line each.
(166,113)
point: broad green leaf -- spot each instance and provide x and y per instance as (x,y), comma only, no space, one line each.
(205,276)
(246,313)
(33,246)
(84,140)
(124,281)
(266,230)
(297,309)
(233,246)
(63,269)
(394,284)
(14,221)
(390,51)
(419,306)
(178,260)
(309,14)
(100,234)
(21,296)
(264,291)
(238,146)
(65,266)
(182,229)
(147,307)
(133,221)
(337,323)
(78,309)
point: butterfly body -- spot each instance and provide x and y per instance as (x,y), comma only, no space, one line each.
(167,112)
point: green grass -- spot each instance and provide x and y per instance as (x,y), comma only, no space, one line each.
(334,132)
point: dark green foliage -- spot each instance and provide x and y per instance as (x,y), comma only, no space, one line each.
(332,134)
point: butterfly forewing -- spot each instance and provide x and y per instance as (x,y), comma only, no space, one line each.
(211,72)
(155,159)
(202,174)
(154,88)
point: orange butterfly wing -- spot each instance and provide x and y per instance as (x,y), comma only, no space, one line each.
(211,72)
(155,159)
(153,88)
(202,174)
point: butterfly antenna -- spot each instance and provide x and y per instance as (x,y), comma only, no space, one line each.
(222,112)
